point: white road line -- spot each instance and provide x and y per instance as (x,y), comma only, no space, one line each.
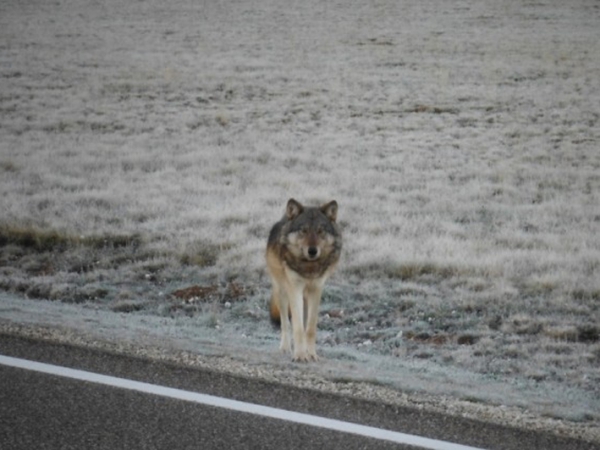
(265,411)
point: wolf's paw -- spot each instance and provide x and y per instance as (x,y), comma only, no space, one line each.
(313,356)
(305,357)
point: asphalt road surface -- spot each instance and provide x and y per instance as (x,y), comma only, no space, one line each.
(138,404)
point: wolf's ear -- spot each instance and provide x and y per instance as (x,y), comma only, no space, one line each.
(330,210)
(293,209)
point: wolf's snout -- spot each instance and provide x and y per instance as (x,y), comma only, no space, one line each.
(313,252)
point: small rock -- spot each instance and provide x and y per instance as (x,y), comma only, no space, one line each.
(336,313)
(467,339)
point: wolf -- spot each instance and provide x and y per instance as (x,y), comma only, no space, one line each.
(303,250)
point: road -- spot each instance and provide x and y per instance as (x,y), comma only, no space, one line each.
(70,409)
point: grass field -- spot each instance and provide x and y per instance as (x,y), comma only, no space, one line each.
(147,147)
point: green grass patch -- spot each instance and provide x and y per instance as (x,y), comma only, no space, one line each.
(409,271)
(201,256)
(34,239)
(8,166)
(39,240)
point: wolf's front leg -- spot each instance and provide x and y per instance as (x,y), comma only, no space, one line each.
(285,345)
(312,296)
(297,308)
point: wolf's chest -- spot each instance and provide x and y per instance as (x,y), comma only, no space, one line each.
(309,269)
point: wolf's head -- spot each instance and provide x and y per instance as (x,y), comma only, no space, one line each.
(312,232)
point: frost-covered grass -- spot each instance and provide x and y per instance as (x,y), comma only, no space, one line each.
(147,147)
